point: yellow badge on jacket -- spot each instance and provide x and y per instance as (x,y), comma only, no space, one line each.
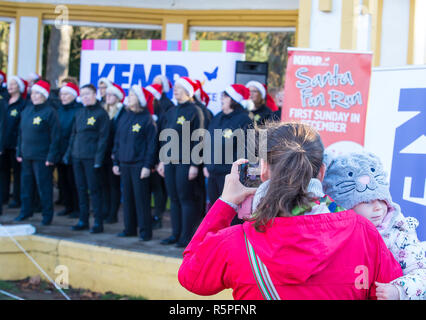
(37,120)
(91,121)
(14,113)
(181,120)
(136,127)
(227,133)
(257,117)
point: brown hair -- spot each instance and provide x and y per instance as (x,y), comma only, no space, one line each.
(294,155)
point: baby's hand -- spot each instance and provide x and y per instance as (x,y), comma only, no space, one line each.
(386,291)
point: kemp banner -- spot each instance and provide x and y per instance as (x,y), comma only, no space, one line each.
(129,62)
(329,91)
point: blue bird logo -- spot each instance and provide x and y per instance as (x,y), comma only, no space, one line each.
(211,75)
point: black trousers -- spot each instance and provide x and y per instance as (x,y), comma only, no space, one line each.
(36,174)
(136,201)
(215,185)
(66,183)
(9,164)
(158,188)
(111,192)
(88,179)
(184,205)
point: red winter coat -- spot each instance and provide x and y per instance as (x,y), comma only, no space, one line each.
(320,256)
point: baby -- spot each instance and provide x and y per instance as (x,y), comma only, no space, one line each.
(357,181)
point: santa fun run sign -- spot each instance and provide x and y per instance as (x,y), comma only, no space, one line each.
(329,91)
(129,62)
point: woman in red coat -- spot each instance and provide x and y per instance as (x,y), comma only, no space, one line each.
(295,245)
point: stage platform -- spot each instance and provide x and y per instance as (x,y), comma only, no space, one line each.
(99,262)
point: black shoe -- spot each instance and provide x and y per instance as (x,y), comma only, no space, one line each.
(111,220)
(169,240)
(181,245)
(125,234)
(156,223)
(46,222)
(14,204)
(80,226)
(22,217)
(74,215)
(64,212)
(145,237)
(97,228)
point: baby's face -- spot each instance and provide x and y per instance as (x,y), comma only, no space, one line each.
(375,211)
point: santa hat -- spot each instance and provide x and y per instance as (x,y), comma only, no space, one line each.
(259,86)
(240,94)
(187,84)
(200,94)
(33,76)
(116,90)
(146,98)
(156,90)
(3,77)
(270,103)
(104,80)
(166,84)
(71,88)
(22,84)
(42,87)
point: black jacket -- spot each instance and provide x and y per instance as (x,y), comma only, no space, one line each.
(13,117)
(89,136)
(39,133)
(135,141)
(228,123)
(3,115)
(66,114)
(112,132)
(174,119)
(262,114)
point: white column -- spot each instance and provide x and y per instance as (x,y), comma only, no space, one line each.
(395,26)
(174,31)
(325,26)
(27,46)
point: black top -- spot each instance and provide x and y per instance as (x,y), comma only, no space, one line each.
(3,115)
(13,117)
(135,141)
(89,136)
(175,119)
(66,114)
(228,123)
(262,114)
(112,131)
(39,133)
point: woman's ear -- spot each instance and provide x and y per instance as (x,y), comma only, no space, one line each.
(321,173)
(265,172)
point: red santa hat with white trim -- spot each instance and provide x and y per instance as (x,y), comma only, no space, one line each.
(42,87)
(71,88)
(187,84)
(116,90)
(270,103)
(22,84)
(146,98)
(156,90)
(240,94)
(165,83)
(200,94)
(106,81)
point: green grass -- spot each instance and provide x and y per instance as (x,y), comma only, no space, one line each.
(113,296)
(8,286)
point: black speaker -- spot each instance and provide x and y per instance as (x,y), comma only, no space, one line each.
(246,71)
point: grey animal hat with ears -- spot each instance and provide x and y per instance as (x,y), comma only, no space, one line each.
(354,178)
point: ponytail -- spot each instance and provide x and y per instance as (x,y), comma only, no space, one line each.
(294,155)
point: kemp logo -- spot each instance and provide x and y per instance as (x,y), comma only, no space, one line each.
(126,75)
(310,60)
(408,175)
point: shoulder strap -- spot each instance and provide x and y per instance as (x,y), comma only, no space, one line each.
(261,274)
